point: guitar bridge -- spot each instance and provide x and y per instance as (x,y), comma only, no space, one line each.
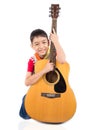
(50,95)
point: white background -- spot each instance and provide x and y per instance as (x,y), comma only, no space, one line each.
(17,19)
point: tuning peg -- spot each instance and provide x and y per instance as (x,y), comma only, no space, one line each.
(50,11)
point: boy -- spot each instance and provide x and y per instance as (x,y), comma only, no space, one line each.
(40,44)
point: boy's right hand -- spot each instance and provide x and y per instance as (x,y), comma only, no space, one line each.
(48,67)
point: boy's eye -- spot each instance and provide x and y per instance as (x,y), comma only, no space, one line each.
(36,44)
(44,42)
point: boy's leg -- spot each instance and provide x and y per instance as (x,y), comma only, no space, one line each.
(22,111)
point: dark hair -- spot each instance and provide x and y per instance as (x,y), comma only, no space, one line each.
(36,33)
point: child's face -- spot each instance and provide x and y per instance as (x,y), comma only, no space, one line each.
(40,45)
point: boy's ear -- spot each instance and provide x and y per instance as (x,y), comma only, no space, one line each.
(49,42)
(31,45)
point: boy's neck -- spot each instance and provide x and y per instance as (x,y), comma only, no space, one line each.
(39,57)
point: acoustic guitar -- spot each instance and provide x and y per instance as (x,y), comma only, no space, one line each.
(51,99)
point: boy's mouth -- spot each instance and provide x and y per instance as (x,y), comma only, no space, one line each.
(42,51)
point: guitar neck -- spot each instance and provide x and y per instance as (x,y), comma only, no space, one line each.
(54,25)
(52,47)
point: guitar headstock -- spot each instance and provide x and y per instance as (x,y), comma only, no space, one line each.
(54,10)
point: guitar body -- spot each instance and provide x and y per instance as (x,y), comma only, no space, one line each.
(51,102)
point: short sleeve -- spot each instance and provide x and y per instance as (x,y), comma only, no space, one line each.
(30,67)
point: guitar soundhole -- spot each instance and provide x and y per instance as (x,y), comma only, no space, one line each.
(52,76)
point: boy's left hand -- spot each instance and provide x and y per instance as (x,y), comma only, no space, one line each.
(53,37)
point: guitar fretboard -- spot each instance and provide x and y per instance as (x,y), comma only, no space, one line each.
(52,47)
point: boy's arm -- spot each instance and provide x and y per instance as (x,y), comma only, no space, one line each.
(59,50)
(33,78)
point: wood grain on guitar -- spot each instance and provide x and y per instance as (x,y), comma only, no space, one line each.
(51,99)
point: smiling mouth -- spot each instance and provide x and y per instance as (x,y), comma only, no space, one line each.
(42,51)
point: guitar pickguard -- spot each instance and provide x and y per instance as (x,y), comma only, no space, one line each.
(60,86)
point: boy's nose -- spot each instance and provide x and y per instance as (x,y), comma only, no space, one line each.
(41,46)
